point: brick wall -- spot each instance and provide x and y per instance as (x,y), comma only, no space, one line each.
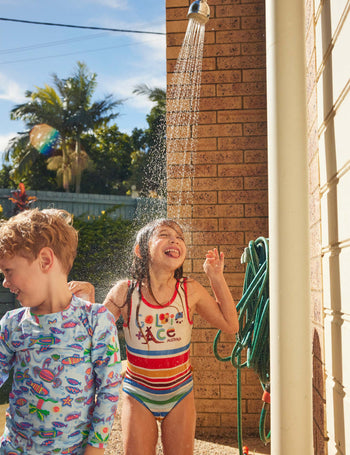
(226,185)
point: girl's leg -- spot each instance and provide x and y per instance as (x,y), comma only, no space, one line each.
(178,428)
(139,427)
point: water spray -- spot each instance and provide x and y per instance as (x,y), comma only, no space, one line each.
(200,11)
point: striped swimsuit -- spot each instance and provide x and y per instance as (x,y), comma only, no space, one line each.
(159,373)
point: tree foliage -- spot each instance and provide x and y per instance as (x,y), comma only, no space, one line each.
(68,107)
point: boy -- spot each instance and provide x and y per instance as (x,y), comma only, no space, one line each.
(64,350)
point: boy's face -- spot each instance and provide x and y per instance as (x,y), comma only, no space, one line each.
(25,279)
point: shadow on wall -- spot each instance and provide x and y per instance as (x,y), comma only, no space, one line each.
(318,395)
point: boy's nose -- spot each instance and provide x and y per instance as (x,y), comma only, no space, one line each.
(5,283)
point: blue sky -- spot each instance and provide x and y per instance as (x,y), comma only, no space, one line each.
(30,54)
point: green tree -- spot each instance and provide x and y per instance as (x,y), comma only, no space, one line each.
(110,152)
(67,107)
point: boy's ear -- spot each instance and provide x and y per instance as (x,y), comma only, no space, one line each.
(46,258)
(137,251)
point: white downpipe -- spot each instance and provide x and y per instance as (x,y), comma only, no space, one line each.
(291,361)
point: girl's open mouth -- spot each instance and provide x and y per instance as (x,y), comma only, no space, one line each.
(172,252)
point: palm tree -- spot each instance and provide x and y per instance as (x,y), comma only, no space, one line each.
(68,108)
(85,115)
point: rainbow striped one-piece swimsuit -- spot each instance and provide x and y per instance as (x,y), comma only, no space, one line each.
(159,373)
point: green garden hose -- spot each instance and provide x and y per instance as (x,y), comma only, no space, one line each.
(253,335)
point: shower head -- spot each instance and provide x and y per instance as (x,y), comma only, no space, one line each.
(200,11)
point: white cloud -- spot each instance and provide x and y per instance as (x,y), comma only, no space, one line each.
(154,45)
(123,89)
(115,4)
(4,140)
(11,90)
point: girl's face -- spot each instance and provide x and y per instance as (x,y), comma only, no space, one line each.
(167,247)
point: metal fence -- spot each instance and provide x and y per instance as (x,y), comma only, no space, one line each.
(90,204)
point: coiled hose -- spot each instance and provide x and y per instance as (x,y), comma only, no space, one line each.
(253,335)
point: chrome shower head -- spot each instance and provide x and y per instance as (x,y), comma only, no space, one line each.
(200,11)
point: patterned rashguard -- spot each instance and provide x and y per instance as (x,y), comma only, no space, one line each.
(159,373)
(65,382)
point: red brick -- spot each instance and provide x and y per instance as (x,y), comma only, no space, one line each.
(255,183)
(240,36)
(229,23)
(256,210)
(218,238)
(200,211)
(234,102)
(243,88)
(235,156)
(255,156)
(242,62)
(255,129)
(207,117)
(219,130)
(221,76)
(220,50)
(176,14)
(241,170)
(240,10)
(253,49)
(215,184)
(245,142)
(254,75)
(242,116)
(205,170)
(254,102)
(253,22)
(244,197)
(176,26)
(242,224)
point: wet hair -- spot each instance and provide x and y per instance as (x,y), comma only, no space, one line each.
(140,265)
(31,230)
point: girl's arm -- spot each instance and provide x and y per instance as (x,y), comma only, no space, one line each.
(116,297)
(221,311)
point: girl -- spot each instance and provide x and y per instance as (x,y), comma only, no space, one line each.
(157,307)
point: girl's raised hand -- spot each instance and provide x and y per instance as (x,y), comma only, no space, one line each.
(214,263)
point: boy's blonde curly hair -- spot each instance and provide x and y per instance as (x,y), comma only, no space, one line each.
(28,232)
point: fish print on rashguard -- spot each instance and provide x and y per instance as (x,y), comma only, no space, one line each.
(66,369)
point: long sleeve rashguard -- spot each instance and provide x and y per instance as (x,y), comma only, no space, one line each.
(66,379)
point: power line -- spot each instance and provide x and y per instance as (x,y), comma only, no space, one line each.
(80,26)
(50,44)
(31,59)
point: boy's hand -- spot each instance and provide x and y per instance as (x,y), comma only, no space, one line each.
(214,263)
(83,289)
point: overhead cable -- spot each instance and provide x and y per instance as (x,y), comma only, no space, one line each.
(81,26)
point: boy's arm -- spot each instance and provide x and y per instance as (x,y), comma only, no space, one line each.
(106,361)
(221,311)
